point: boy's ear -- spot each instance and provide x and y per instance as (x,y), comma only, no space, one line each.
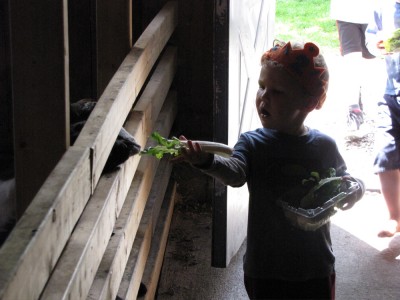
(312,103)
(315,102)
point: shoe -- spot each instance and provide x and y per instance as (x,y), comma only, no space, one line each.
(367,55)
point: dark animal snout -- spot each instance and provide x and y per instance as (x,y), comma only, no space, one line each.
(124,146)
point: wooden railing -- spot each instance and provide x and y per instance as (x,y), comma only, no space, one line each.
(88,235)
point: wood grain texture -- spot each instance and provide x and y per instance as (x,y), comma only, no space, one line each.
(77,266)
(37,241)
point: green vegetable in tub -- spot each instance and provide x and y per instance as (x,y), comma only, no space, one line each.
(392,44)
(174,147)
(323,190)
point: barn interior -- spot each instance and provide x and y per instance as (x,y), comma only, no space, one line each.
(150,65)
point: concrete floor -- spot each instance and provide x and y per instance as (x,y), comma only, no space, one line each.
(368,267)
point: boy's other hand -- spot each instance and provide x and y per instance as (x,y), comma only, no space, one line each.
(193,154)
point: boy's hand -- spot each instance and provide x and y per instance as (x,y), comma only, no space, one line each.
(350,200)
(193,154)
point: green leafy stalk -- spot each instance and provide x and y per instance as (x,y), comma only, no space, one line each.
(392,44)
(171,146)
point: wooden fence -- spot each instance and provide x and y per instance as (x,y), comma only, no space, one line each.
(88,235)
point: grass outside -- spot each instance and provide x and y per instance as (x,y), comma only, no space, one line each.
(306,20)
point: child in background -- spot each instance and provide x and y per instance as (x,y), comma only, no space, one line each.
(282,261)
(386,20)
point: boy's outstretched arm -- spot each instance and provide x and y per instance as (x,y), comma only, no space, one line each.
(230,171)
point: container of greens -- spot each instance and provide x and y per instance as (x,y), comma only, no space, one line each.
(320,200)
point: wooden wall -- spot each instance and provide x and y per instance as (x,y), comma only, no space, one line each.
(39,81)
(100,36)
(85,230)
(6,129)
(194,83)
(45,72)
(195,77)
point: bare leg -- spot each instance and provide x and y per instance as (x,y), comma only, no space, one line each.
(390,185)
(354,72)
(352,78)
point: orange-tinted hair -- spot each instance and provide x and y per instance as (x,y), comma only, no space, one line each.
(305,64)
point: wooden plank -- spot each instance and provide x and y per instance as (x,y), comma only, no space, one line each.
(40,92)
(77,266)
(136,262)
(147,263)
(109,274)
(124,234)
(22,252)
(112,108)
(220,123)
(34,246)
(74,273)
(82,39)
(159,84)
(153,267)
(129,286)
(6,113)
(112,42)
(141,255)
(56,208)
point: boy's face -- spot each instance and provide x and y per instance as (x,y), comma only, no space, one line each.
(281,101)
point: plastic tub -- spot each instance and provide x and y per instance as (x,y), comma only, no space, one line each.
(312,219)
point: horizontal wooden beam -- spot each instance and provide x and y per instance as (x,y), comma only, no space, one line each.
(158,245)
(40,92)
(28,256)
(111,110)
(137,261)
(151,274)
(111,269)
(77,266)
(36,243)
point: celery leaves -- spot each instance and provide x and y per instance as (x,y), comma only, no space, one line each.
(165,146)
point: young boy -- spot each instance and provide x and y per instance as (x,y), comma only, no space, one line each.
(282,261)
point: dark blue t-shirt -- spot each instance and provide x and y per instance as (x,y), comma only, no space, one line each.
(272,163)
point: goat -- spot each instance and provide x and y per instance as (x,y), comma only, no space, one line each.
(124,146)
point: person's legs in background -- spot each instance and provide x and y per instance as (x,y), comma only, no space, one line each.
(354,68)
(390,186)
(387,160)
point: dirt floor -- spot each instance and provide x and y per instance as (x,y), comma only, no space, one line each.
(368,267)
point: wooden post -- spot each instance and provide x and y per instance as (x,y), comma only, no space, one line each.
(112,42)
(220,130)
(82,42)
(39,91)
(6,128)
